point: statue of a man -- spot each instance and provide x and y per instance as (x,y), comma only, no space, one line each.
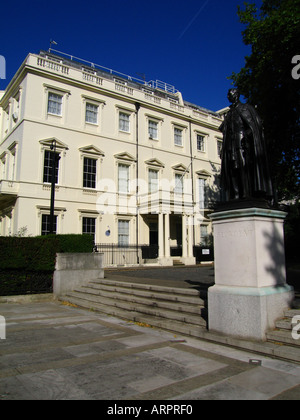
(244,171)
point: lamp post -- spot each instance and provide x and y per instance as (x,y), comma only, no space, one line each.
(54,160)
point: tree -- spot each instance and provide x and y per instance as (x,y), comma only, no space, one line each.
(268,82)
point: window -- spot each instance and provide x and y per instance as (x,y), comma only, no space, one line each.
(89,172)
(153,130)
(54,104)
(91,113)
(177,136)
(47,178)
(123,232)
(46,224)
(202,193)
(123,178)
(200,143)
(203,233)
(153,180)
(89,226)
(178,184)
(124,122)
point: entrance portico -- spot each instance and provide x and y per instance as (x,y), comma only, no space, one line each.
(174,232)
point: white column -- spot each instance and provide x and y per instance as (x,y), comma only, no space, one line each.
(161,235)
(190,236)
(167,235)
(184,237)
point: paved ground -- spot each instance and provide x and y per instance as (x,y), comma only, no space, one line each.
(191,277)
(57,352)
(187,277)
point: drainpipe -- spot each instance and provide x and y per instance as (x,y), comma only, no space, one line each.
(192,175)
(137,107)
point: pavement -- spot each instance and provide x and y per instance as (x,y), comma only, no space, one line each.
(53,351)
(180,277)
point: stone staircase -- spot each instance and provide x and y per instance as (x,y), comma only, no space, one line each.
(179,310)
(178,263)
(282,334)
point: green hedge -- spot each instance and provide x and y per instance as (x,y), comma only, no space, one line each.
(27,264)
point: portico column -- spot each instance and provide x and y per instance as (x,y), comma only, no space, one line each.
(161,235)
(190,236)
(167,235)
(184,237)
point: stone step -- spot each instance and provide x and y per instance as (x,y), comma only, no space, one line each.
(291,313)
(177,263)
(284,324)
(178,310)
(282,334)
(175,326)
(284,337)
(151,287)
(189,296)
(175,314)
(191,306)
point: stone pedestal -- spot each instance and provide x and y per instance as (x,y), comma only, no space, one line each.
(250,290)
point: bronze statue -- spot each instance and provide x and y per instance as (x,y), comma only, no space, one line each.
(244,170)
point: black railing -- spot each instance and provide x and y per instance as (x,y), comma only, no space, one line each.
(22,282)
(115,254)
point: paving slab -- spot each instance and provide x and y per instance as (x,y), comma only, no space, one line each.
(57,352)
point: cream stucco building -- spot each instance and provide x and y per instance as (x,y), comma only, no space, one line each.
(137,164)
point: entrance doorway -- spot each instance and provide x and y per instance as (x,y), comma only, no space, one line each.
(153,233)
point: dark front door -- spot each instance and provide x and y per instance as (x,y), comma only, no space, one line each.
(153,234)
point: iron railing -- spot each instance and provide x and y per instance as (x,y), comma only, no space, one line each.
(114,254)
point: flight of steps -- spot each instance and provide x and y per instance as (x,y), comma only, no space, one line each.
(179,310)
(282,334)
(178,263)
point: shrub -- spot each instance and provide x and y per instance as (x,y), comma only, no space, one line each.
(28,263)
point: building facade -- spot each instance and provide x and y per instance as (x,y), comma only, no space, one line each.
(135,163)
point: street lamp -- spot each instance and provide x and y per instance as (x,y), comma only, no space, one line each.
(54,159)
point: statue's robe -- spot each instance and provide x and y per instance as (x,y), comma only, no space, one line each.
(244,152)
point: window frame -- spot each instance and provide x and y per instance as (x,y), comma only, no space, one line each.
(47,223)
(92,232)
(152,190)
(96,113)
(126,234)
(127,120)
(89,174)
(60,95)
(179,176)
(123,164)
(153,132)
(203,142)
(48,175)
(176,136)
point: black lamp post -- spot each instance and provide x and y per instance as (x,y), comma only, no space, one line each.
(54,159)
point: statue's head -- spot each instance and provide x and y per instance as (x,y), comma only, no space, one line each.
(233,95)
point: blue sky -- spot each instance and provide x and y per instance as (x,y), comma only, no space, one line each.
(193,44)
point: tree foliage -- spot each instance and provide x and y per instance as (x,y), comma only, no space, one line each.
(266,81)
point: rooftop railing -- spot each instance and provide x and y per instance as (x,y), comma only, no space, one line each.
(155,84)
